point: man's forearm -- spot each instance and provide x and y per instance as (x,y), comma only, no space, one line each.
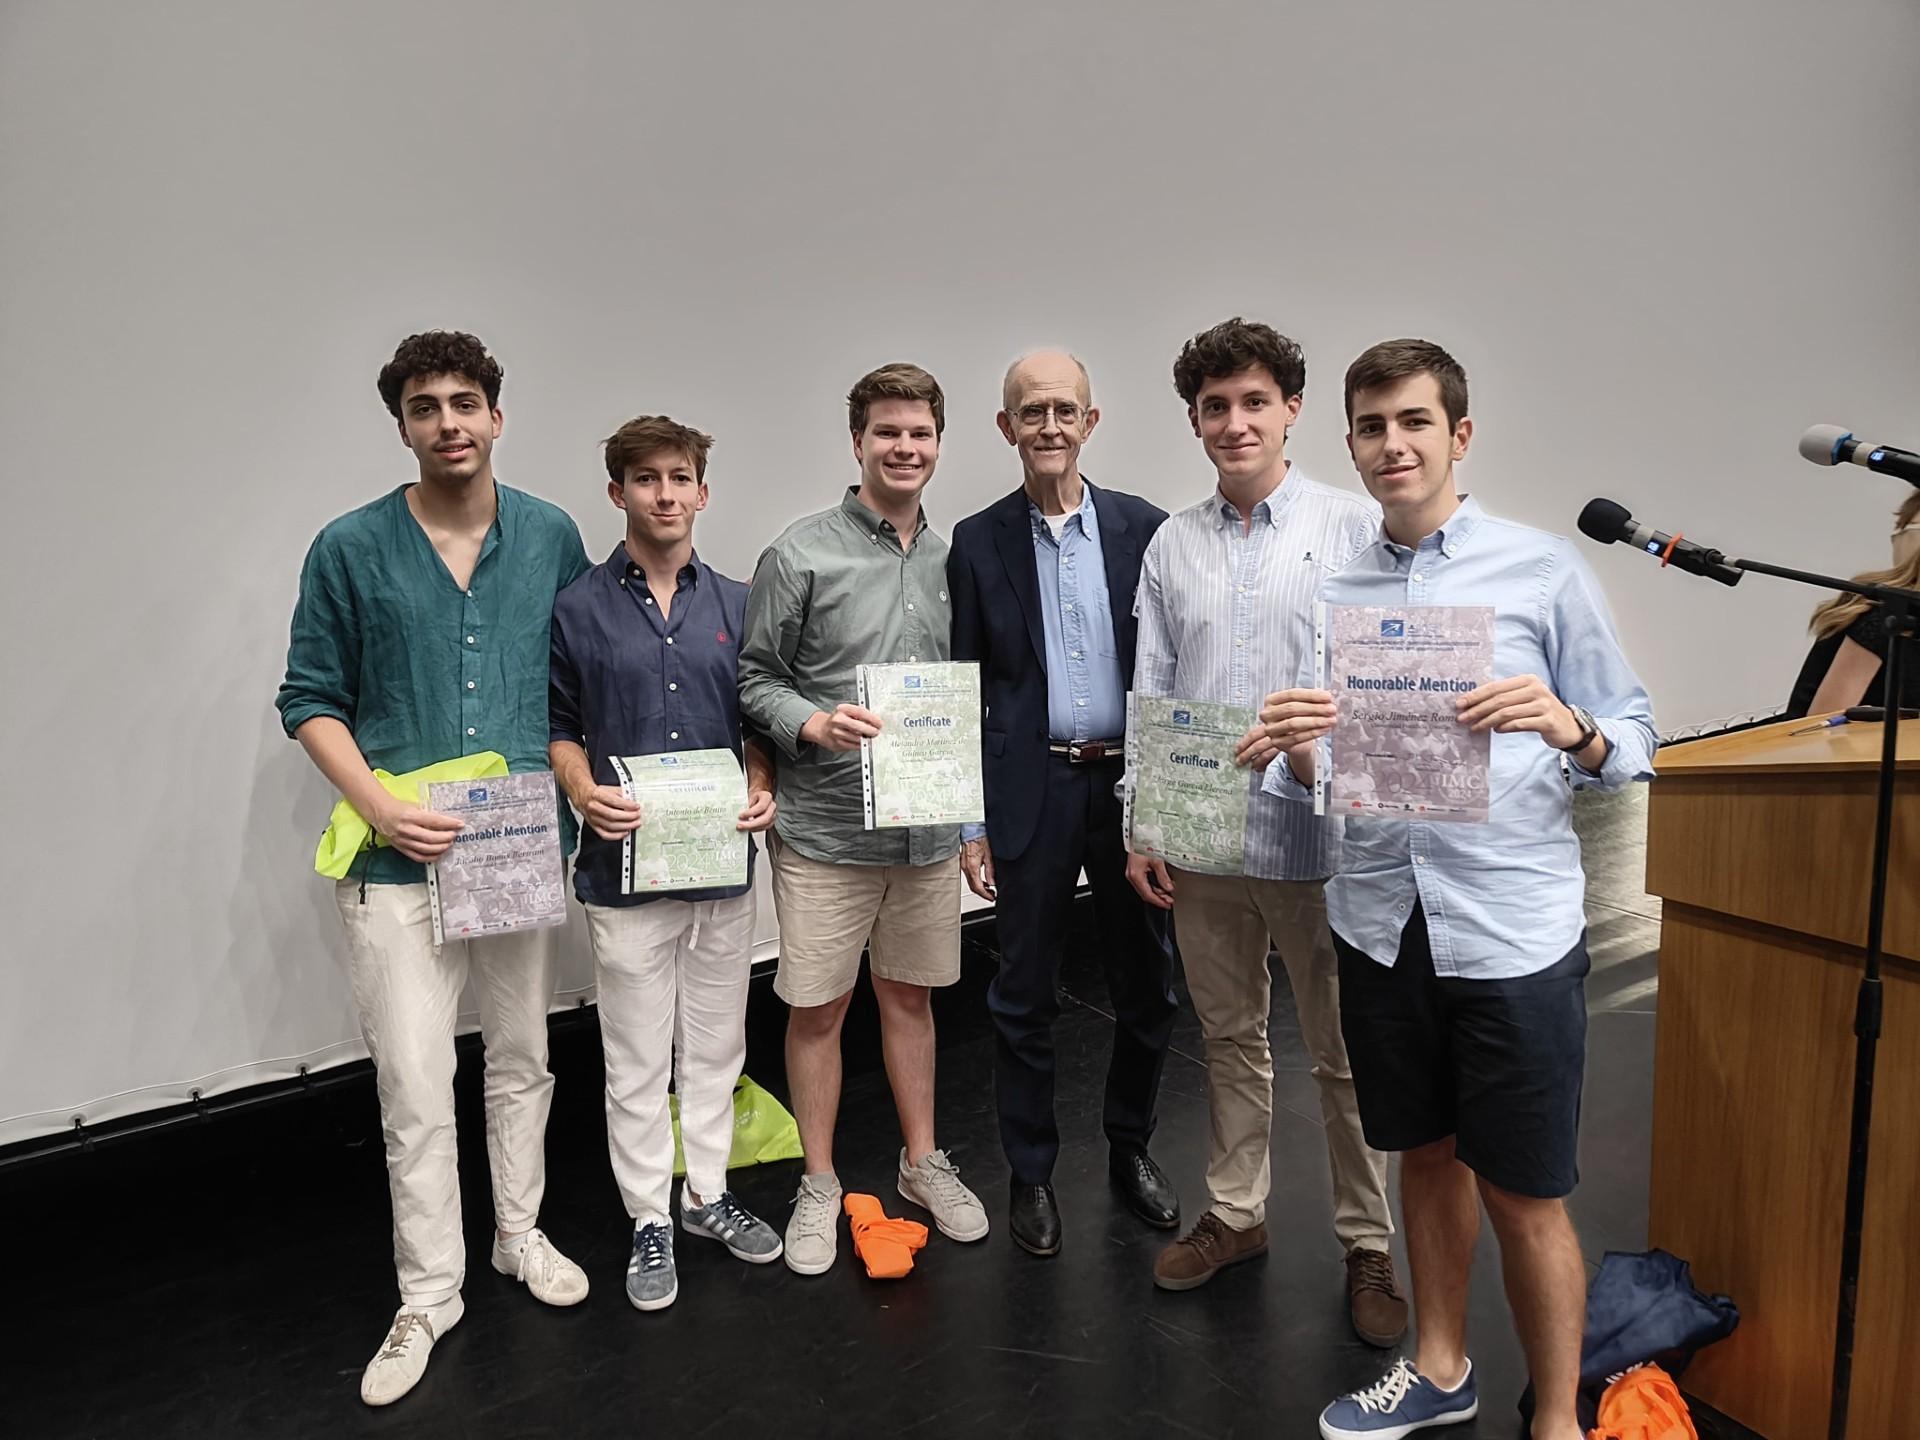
(759,759)
(336,755)
(572,771)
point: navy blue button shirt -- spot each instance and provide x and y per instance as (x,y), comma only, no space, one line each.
(625,681)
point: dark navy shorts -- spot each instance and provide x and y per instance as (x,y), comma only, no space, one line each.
(1497,1064)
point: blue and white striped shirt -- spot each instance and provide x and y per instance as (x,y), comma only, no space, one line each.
(1226,615)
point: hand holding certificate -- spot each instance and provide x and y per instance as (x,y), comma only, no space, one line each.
(503,871)
(1188,801)
(1399,750)
(923,768)
(689,836)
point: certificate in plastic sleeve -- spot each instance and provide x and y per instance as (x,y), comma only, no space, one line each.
(689,837)
(1399,750)
(923,768)
(1187,802)
(504,871)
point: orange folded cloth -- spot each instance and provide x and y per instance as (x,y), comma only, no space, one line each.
(885,1246)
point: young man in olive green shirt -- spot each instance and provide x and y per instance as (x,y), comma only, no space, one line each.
(863,583)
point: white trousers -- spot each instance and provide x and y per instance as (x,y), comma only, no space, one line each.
(408,993)
(672,976)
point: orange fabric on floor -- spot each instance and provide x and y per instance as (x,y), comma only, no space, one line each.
(1643,1404)
(885,1246)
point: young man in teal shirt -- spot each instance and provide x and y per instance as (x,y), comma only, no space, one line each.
(421,634)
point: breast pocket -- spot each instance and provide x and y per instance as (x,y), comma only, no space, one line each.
(1100,622)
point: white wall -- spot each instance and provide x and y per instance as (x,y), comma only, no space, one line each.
(1663,238)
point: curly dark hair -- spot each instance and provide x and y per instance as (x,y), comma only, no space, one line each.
(1232,346)
(1393,360)
(440,352)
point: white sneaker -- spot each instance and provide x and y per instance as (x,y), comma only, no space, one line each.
(401,1360)
(551,1277)
(934,1184)
(813,1230)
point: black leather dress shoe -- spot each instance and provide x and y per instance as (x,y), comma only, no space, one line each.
(1034,1219)
(1145,1188)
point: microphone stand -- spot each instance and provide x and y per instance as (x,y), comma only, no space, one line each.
(1897,611)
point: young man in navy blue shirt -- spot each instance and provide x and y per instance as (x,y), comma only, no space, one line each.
(644,661)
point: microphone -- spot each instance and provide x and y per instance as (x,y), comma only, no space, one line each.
(1830,445)
(1608,521)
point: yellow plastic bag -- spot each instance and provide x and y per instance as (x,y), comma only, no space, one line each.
(762,1129)
(348,832)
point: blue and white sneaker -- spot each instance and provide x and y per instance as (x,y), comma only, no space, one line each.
(651,1282)
(1399,1404)
(723,1218)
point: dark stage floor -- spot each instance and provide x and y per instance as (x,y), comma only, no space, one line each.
(232,1279)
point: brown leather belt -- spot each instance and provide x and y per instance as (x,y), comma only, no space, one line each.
(1086,752)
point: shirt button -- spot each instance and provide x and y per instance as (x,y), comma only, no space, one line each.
(1069,605)
(469,639)
(469,684)
(1239,642)
(673,735)
(672,686)
(1081,703)
(1418,578)
(623,580)
(469,730)
(669,639)
(909,604)
(913,659)
(469,594)
(649,599)
(1419,859)
(1076,654)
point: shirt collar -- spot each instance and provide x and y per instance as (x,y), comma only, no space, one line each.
(1267,511)
(1448,539)
(1089,517)
(873,524)
(621,567)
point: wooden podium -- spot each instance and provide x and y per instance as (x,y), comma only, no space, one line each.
(1760,844)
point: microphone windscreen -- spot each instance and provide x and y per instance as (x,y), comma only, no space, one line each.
(1604,520)
(1821,444)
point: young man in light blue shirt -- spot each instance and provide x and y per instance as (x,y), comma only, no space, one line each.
(1462,947)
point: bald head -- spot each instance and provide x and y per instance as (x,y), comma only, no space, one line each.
(1047,373)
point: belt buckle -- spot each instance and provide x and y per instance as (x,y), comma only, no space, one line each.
(1081,753)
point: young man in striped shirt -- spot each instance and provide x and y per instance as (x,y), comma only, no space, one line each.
(1226,589)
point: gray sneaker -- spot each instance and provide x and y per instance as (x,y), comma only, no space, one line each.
(723,1218)
(813,1230)
(934,1184)
(651,1282)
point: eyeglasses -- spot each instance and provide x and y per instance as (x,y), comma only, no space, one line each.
(1064,412)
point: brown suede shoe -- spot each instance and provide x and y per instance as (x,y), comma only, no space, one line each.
(1210,1246)
(1373,1295)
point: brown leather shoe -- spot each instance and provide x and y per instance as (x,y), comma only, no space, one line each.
(1210,1246)
(1373,1295)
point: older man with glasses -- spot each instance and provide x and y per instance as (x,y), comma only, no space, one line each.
(1043,583)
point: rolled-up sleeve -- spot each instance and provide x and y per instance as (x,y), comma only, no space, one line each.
(776,615)
(323,650)
(1591,670)
(563,687)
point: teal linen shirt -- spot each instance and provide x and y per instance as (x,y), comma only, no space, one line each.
(417,668)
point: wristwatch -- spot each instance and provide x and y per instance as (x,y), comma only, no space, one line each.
(1589,728)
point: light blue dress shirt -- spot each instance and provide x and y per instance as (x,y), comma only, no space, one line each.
(1506,898)
(1086,698)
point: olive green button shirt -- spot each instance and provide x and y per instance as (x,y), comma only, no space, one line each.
(834,592)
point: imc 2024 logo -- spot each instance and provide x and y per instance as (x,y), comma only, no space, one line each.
(1183,717)
(909,682)
(477,795)
(1393,629)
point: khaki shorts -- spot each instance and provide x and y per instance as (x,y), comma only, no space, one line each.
(907,915)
